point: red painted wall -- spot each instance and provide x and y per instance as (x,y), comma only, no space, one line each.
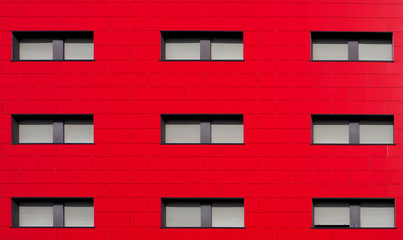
(127,87)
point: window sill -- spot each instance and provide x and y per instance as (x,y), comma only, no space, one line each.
(202,227)
(202,143)
(69,60)
(386,61)
(359,144)
(196,60)
(52,143)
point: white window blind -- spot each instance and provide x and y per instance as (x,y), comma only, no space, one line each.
(78,131)
(182,131)
(376,131)
(226,49)
(227,214)
(36,215)
(375,215)
(78,49)
(332,214)
(35,131)
(36,49)
(78,214)
(375,49)
(227,131)
(183,214)
(329,49)
(329,131)
(182,48)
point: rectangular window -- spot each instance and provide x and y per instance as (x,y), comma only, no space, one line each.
(201,46)
(202,129)
(354,213)
(52,212)
(352,46)
(352,129)
(53,46)
(50,129)
(202,213)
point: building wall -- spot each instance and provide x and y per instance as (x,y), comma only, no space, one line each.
(127,171)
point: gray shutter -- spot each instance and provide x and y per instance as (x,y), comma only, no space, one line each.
(78,49)
(329,131)
(36,214)
(227,131)
(332,214)
(35,131)
(227,214)
(78,214)
(78,131)
(329,49)
(375,49)
(377,215)
(226,49)
(36,49)
(182,48)
(182,131)
(183,214)
(376,132)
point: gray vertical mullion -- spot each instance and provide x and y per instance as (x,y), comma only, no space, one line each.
(354,132)
(353,50)
(163,137)
(355,218)
(163,214)
(15,131)
(58,131)
(15,214)
(163,48)
(205,131)
(206,215)
(205,49)
(15,48)
(58,49)
(58,215)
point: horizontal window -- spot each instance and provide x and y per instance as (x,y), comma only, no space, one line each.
(202,213)
(202,129)
(354,213)
(52,212)
(52,129)
(352,46)
(205,46)
(53,45)
(352,129)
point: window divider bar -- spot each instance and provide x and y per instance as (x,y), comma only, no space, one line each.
(205,49)
(354,132)
(58,215)
(353,50)
(206,215)
(58,131)
(355,218)
(58,49)
(205,131)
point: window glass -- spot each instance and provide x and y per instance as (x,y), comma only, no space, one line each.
(182,49)
(78,49)
(375,49)
(376,215)
(78,214)
(35,131)
(182,131)
(226,131)
(36,215)
(330,49)
(227,214)
(183,214)
(226,49)
(376,132)
(332,214)
(78,131)
(36,49)
(329,131)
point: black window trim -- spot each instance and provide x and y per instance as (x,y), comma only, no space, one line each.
(205,126)
(58,126)
(58,210)
(353,37)
(205,44)
(353,126)
(206,217)
(58,44)
(355,214)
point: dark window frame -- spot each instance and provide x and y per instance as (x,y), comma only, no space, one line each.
(354,130)
(353,40)
(58,210)
(58,126)
(58,43)
(205,126)
(355,217)
(205,43)
(206,210)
